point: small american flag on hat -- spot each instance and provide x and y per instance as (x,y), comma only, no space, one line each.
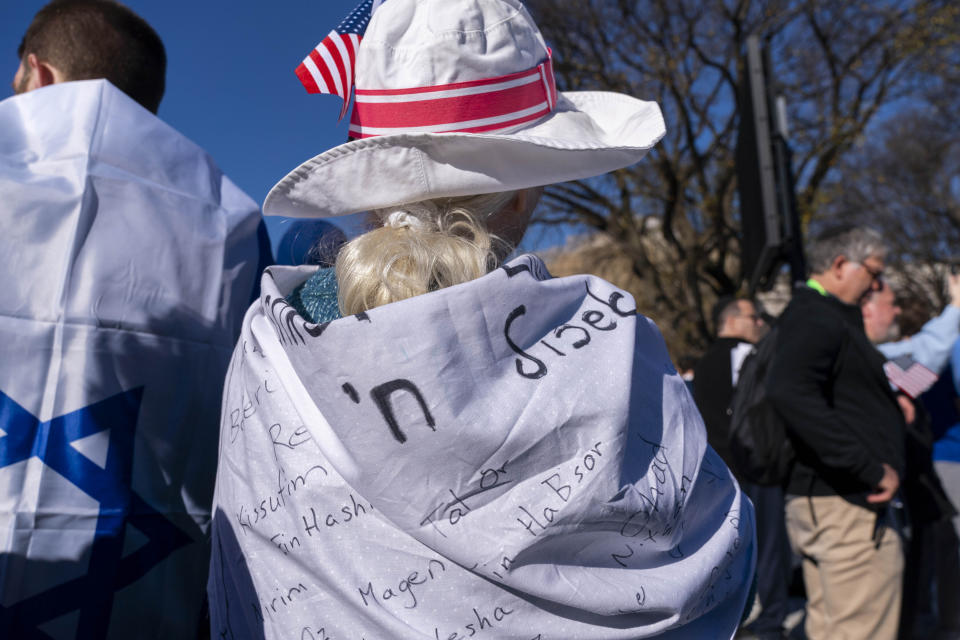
(909,376)
(330,66)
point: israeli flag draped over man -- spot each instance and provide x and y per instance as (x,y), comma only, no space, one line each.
(128,259)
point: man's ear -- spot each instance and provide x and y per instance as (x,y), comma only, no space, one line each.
(42,74)
(836,267)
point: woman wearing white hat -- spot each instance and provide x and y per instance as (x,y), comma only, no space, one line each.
(425,443)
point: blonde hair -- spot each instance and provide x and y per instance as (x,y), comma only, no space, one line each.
(420,247)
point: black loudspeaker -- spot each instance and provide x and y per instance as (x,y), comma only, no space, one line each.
(768,211)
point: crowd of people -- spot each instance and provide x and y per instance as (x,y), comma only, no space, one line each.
(410,433)
(863,510)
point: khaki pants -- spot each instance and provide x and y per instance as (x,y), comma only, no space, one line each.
(853,585)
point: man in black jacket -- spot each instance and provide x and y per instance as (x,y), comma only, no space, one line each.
(739,326)
(828,384)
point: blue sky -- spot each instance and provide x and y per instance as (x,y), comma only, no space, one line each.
(231,86)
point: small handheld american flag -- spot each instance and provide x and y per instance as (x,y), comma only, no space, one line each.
(909,376)
(330,66)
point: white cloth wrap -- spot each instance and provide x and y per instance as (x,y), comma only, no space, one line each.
(554,482)
(128,259)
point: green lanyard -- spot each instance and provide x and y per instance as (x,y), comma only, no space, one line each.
(816,286)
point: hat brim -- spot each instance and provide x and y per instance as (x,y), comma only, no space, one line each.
(588,134)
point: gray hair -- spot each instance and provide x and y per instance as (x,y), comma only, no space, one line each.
(856,244)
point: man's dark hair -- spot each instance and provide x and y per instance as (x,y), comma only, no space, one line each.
(725,307)
(87,39)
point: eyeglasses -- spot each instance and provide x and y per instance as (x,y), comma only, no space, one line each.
(875,274)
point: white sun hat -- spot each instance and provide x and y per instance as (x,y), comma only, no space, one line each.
(455,98)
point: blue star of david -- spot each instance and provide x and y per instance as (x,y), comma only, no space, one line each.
(91,594)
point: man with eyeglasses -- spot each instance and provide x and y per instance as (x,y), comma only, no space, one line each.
(828,384)
(739,326)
